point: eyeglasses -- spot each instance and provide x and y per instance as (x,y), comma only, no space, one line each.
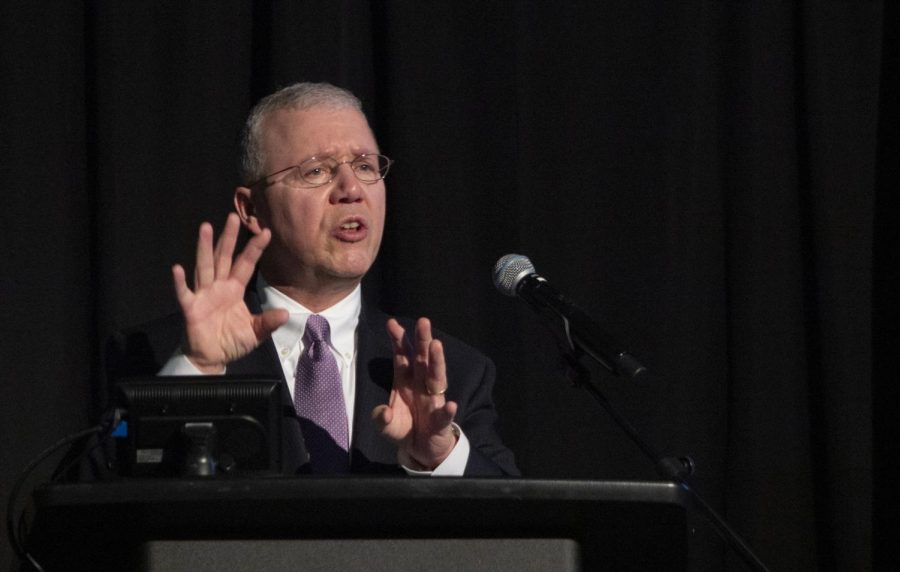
(317,171)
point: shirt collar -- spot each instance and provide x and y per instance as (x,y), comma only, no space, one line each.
(342,318)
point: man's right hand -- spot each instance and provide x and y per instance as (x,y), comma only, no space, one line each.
(219,327)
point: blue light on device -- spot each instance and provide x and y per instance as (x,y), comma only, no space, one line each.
(121,430)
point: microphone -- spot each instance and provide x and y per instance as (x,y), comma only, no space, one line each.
(514,275)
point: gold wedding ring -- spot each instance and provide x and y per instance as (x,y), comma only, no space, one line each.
(441,392)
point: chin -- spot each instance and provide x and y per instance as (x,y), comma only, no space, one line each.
(354,264)
(352,269)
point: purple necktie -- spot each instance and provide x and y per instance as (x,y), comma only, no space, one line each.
(319,401)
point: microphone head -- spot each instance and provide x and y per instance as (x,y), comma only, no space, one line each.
(509,272)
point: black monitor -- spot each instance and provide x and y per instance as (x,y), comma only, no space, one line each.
(200,426)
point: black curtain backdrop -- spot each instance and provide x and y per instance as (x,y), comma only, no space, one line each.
(714,182)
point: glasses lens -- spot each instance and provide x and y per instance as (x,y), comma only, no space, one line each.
(371,168)
(315,171)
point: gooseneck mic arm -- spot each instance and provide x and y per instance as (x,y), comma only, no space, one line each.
(514,275)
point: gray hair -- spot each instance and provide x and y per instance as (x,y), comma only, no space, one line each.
(299,96)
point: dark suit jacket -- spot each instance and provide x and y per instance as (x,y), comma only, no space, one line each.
(144,350)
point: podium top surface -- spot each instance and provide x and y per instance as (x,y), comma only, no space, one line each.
(297,489)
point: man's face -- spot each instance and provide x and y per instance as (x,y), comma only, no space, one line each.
(324,236)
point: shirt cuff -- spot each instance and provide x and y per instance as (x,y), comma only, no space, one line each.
(453,466)
(179,364)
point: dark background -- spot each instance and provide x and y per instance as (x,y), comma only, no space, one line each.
(714,182)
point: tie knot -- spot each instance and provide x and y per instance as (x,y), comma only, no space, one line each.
(317,330)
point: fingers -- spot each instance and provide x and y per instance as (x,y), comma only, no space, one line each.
(395,330)
(182,292)
(436,380)
(247,259)
(399,343)
(204,271)
(421,347)
(225,246)
(419,364)
(430,364)
(219,263)
(423,337)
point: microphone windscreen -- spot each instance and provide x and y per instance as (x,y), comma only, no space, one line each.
(509,271)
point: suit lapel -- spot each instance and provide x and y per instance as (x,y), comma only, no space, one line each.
(374,377)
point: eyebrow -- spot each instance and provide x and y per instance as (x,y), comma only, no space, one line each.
(322,155)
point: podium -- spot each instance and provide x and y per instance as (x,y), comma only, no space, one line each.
(353,523)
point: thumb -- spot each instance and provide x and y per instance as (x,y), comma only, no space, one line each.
(382,416)
(442,417)
(269,321)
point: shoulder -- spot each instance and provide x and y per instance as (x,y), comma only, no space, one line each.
(455,347)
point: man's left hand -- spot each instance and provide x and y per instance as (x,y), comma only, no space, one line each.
(417,416)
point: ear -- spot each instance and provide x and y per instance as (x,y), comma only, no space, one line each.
(243,205)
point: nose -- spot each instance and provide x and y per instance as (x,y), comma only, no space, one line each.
(347,188)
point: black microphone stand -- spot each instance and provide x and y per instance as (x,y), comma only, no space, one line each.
(676,469)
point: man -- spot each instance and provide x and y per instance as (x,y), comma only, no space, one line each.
(314,204)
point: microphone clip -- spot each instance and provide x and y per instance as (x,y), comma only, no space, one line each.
(574,371)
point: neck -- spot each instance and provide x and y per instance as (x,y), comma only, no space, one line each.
(316,298)
(316,290)
(316,301)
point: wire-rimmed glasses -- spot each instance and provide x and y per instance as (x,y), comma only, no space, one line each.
(317,171)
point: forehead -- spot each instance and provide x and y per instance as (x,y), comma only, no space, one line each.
(291,135)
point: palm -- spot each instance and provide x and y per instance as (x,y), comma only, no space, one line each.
(219,324)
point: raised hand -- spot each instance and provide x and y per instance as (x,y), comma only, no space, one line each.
(417,416)
(219,328)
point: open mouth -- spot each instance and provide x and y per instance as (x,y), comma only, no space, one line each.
(351,230)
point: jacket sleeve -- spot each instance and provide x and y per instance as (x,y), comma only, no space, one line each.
(473,376)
